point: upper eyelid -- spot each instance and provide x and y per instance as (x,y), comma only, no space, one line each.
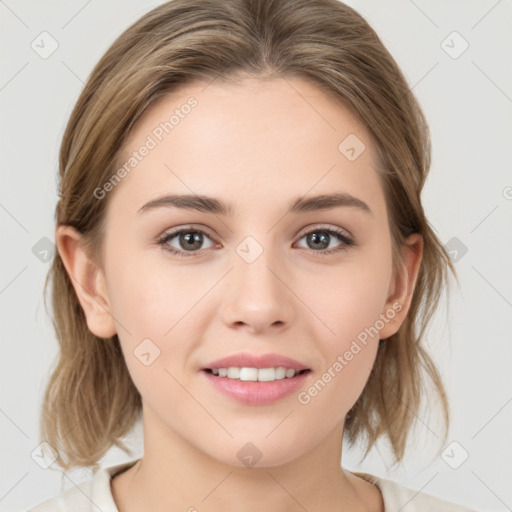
(172,233)
(324,227)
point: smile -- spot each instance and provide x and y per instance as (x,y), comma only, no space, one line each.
(245,385)
(256,374)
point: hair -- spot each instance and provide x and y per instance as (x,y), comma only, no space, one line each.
(90,401)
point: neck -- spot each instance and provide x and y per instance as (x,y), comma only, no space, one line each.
(175,475)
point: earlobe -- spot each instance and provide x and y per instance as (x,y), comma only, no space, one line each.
(88,281)
(402,288)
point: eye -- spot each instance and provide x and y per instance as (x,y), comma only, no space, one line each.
(321,238)
(189,239)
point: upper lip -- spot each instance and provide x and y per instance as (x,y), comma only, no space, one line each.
(246,360)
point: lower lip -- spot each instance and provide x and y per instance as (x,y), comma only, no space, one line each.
(255,392)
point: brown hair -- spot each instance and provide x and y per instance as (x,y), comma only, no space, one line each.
(90,401)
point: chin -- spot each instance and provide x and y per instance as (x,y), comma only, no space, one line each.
(256,454)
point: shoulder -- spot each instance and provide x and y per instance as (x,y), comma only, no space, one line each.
(88,496)
(75,498)
(398,497)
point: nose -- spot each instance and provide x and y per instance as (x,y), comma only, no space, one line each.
(257,296)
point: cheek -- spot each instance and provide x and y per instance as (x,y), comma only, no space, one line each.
(348,352)
(349,297)
(149,294)
(349,303)
(163,311)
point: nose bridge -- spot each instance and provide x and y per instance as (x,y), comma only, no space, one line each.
(257,295)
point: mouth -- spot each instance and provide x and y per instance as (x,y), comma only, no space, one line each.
(256,386)
(248,374)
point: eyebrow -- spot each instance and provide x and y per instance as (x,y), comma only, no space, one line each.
(301,204)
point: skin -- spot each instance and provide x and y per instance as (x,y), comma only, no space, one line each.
(257,144)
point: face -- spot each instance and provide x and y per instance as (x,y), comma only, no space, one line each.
(313,284)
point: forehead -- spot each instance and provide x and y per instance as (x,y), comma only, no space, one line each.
(248,109)
(284,137)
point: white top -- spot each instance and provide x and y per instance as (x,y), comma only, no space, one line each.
(96,494)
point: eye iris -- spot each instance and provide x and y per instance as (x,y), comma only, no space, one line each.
(191,237)
(322,239)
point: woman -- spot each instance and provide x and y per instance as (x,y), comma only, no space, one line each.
(243,262)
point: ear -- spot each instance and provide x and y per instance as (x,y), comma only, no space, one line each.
(88,281)
(402,286)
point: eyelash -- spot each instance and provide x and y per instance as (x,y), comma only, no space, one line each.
(346,241)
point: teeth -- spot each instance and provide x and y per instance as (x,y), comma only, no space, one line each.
(255,374)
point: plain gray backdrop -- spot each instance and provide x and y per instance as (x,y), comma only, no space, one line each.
(456,56)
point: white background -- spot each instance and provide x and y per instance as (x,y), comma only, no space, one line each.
(468,103)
